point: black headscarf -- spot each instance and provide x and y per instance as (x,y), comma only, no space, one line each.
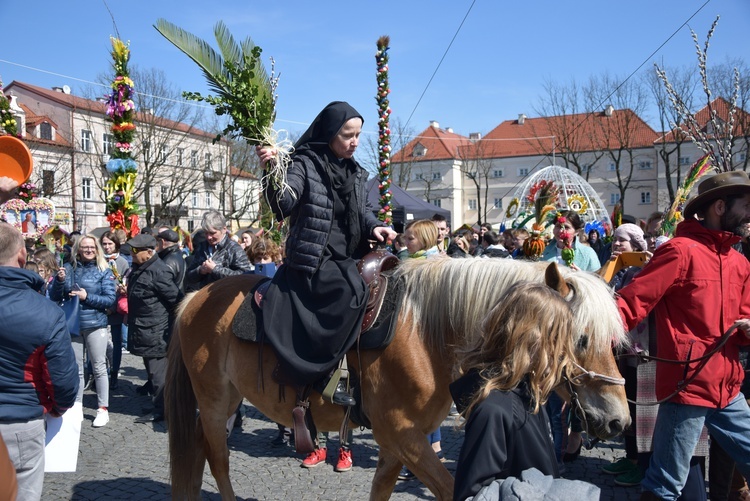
(326,125)
(341,172)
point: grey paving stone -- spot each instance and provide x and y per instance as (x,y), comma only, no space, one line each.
(128,461)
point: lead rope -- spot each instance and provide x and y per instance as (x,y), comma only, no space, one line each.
(685,383)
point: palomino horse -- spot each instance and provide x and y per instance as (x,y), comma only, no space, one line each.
(404,386)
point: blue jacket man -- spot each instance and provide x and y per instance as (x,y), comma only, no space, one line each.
(38,371)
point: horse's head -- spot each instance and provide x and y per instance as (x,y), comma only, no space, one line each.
(595,387)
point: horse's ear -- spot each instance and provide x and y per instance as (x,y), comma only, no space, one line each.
(554,279)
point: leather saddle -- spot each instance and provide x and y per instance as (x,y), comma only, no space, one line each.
(370,268)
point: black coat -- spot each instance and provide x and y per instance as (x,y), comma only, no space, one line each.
(172,257)
(310,210)
(152,294)
(502,439)
(230,260)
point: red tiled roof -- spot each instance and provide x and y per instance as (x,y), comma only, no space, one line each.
(80,103)
(439,143)
(585,132)
(721,106)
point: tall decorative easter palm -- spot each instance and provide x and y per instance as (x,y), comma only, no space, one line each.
(243,88)
(121,209)
(384,138)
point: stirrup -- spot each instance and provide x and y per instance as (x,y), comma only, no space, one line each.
(341,374)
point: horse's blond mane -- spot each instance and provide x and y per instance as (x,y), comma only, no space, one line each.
(449,298)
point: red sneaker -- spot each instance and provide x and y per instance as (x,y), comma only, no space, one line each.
(345,460)
(315,458)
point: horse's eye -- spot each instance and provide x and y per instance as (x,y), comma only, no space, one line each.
(582,343)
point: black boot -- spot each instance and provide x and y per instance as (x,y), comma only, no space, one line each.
(342,397)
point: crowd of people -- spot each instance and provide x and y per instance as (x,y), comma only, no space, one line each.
(688,301)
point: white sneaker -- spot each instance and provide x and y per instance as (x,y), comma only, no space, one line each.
(102,418)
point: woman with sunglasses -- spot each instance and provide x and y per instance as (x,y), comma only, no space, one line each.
(90,278)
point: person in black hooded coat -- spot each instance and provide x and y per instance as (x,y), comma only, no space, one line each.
(314,307)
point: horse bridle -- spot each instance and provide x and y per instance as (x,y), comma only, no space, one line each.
(571,382)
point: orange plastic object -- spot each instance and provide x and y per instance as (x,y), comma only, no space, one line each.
(15,159)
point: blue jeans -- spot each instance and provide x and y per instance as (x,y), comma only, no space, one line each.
(678,428)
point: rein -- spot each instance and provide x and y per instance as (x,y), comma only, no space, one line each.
(685,382)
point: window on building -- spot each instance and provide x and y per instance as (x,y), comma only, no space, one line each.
(147,150)
(220,163)
(586,168)
(645,197)
(436,202)
(418,176)
(419,151)
(193,159)
(191,226)
(164,153)
(180,156)
(498,173)
(741,156)
(208,199)
(48,182)
(472,204)
(207,157)
(194,196)
(85,140)
(45,131)
(684,160)
(436,176)
(614,198)
(108,143)
(612,166)
(164,194)
(499,203)
(523,172)
(87,185)
(645,165)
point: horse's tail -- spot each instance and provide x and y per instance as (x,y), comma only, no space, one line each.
(179,410)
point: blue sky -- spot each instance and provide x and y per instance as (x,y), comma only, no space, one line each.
(325,50)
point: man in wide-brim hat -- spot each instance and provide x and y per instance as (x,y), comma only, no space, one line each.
(699,288)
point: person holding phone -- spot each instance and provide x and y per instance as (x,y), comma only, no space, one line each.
(90,278)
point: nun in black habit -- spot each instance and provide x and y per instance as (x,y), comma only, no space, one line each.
(313,310)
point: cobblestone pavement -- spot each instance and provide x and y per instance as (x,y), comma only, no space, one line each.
(129,461)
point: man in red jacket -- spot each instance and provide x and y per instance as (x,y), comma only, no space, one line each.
(699,288)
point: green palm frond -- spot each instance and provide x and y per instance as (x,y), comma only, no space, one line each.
(199,51)
(243,87)
(227,44)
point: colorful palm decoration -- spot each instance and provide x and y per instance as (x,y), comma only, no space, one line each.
(674,215)
(7,120)
(121,211)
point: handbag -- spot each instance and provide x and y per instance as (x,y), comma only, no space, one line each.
(70,307)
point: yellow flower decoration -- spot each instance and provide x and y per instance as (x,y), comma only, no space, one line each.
(512,208)
(578,204)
